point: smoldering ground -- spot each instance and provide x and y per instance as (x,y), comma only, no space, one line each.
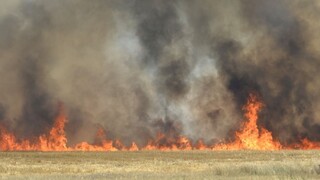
(146,66)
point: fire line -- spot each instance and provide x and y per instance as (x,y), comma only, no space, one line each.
(249,136)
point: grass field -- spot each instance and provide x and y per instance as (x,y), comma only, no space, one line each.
(161,165)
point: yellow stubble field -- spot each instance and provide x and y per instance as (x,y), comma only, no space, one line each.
(295,164)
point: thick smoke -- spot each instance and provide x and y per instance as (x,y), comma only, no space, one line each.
(141,67)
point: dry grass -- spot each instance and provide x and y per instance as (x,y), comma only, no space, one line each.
(161,165)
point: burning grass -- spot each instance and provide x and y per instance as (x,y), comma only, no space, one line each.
(158,165)
(248,137)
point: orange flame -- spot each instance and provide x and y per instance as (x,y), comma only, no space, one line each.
(250,136)
(305,144)
(56,139)
(162,142)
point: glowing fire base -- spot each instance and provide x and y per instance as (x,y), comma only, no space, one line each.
(250,136)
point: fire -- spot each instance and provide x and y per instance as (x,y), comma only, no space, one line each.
(305,144)
(162,142)
(56,139)
(250,136)
(200,145)
(101,143)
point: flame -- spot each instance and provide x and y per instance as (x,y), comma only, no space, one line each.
(305,144)
(56,139)
(200,145)
(250,136)
(162,142)
(101,143)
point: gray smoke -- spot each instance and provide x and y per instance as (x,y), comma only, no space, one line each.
(141,67)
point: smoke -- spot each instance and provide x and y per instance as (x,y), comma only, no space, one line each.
(141,67)
(279,65)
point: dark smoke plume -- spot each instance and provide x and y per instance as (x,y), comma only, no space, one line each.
(141,67)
